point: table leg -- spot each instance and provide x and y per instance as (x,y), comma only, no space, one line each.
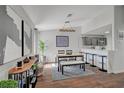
(14,76)
(58,64)
(80,66)
(86,59)
(21,81)
(83,66)
(26,79)
(62,69)
(92,65)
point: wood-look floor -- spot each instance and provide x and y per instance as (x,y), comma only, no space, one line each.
(98,80)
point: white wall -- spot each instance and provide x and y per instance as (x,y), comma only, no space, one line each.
(109,41)
(36,42)
(49,37)
(118,59)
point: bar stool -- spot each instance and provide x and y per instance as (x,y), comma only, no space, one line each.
(90,58)
(102,69)
(86,57)
(92,65)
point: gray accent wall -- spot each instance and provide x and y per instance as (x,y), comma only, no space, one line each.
(7,29)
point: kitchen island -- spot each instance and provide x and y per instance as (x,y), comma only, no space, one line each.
(96,57)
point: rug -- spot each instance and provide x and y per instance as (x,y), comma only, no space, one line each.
(69,72)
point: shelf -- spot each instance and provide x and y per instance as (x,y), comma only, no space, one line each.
(26,76)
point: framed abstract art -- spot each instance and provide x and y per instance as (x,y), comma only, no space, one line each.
(62,41)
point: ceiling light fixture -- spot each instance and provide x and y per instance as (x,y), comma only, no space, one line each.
(67,25)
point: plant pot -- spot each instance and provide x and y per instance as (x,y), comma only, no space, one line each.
(43,59)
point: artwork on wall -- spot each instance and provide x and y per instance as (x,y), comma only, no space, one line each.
(121,35)
(10,35)
(15,35)
(27,44)
(62,41)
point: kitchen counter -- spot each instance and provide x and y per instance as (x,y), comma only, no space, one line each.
(95,51)
(96,57)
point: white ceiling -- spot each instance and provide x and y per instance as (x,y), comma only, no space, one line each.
(101,31)
(46,17)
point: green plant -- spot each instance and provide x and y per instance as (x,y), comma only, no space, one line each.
(42,46)
(8,84)
(34,66)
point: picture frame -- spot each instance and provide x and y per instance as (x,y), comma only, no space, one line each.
(62,41)
(121,35)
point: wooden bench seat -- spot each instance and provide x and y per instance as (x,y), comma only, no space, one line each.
(71,63)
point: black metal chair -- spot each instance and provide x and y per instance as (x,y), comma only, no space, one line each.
(69,52)
(62,52)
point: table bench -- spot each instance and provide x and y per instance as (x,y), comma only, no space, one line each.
(68,56)
(71,63)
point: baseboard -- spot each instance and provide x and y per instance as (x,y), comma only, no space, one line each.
(119,71)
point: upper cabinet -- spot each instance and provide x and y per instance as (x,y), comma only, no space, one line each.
(102,41)
(94,41)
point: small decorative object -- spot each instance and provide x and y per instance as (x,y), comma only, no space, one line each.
(30,57)
(26,60)
(8,84)
(19,64)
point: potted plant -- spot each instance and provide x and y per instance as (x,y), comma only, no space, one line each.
(34,66)
(8,84)
(42,48)
(40,64)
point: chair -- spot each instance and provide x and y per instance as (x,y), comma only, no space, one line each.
(69,52)
(62,52)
